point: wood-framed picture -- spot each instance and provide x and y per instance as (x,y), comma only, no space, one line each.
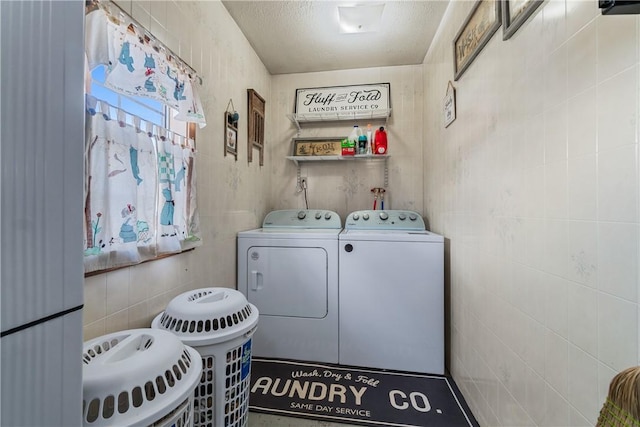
(255,123)
(230,135)
(317,146)
(483,21)
(515,13)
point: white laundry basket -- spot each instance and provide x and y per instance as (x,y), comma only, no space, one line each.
(219,324)
(141,377)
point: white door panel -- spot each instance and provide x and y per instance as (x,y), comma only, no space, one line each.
(391,305)
(288,281)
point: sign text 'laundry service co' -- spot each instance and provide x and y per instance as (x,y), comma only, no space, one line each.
(367,98)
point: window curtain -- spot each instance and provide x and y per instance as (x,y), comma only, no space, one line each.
(139,191)
(175,168)
(137,65)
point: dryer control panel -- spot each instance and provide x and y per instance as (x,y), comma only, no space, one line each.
(384,220)
(302,218)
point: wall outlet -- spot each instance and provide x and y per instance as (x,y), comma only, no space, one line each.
(303,183)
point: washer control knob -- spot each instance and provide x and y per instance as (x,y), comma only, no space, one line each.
(384,216)
(356,217)
(402,217)
(302,214)
(413,217)
(327,216)
(365,217)
(318,215)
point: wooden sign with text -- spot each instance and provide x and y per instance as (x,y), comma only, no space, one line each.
(339,100)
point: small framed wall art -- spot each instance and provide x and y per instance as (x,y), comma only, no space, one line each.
(449,105)
(230,135)
(483,21)
(255,122)
(317,146)
(515,13)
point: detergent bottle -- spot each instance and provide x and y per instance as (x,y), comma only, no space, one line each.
(380,141)
(362,144)
(355,135)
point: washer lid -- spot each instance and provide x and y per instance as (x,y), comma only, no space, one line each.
(291,233)
(391,236)
(302,218)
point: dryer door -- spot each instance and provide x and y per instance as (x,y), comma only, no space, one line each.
(288,281)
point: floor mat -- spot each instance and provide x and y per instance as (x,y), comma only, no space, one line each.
(356,395)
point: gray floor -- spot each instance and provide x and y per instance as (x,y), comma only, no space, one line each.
(265,420)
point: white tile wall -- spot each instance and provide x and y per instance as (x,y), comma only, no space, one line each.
(617,126)
(346,186)
(564,93)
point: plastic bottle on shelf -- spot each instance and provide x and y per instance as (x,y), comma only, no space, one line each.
(380,141)
(362,143)
(369,139)
(355,133)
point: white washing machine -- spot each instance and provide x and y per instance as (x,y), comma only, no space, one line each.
(288,269)
(391,292)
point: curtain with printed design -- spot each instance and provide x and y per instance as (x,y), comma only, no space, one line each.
(139,193)
(140,188)
(138,66)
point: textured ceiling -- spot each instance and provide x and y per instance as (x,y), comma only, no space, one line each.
(304,36)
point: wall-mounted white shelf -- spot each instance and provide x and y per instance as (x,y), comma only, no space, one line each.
(339,116)
(297,159)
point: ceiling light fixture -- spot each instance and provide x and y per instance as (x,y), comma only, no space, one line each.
(363,18)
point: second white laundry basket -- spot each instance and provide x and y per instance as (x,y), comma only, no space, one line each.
(219,324)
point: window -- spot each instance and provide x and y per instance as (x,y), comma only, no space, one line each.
(140,193)
(147,109)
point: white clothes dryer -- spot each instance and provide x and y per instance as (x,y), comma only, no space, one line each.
(391,292)
(288,269)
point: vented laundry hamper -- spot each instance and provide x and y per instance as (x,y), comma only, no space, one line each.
(219,324)
(139,377)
